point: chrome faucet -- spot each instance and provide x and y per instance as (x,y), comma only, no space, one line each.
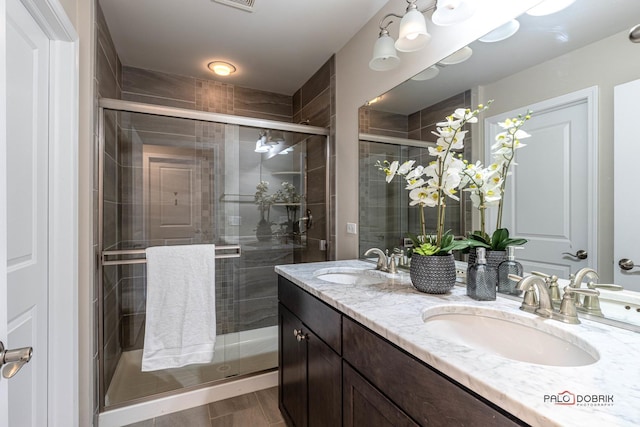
(544,307)
(382,258)
(575,281)
(581,274)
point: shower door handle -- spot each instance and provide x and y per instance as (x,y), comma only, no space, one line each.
(308,219)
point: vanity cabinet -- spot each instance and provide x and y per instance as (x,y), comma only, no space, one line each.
(338,372)
(424,394)
(310,376)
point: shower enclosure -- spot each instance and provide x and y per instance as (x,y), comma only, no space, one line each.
(169,176)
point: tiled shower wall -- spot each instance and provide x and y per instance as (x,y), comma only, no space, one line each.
(314,104)
(108,79)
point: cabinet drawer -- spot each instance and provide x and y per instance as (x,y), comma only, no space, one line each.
(325,322)
(427,396)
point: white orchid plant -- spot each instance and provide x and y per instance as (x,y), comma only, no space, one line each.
(430,186)
(487,185)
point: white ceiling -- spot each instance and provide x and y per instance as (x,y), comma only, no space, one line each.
(275,48)
(539,39)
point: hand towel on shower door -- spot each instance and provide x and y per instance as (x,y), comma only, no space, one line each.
(181,317)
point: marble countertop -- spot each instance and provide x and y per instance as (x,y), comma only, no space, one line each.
(394,310)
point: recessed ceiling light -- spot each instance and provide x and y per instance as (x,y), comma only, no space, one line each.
(221,68)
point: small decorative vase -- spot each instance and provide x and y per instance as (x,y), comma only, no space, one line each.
(263,231)
(433,274)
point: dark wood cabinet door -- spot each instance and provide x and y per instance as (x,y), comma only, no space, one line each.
(324,379)
(365,406)
(293,370)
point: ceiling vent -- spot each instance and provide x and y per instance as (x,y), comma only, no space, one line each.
(246,5)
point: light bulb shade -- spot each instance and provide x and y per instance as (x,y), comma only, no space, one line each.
(413,34)
(502,32)
(261,148)
(427,74)
(457,57)
(549,6)
(452,12)
(384,54)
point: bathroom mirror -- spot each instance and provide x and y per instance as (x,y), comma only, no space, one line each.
(589,30)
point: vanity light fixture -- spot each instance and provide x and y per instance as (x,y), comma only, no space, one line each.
(286,151)
(457,57)
(221,68)
(548,7)
(267,140)
(427,74)
(503,32)
(412,34)
(262,145)
(451,12)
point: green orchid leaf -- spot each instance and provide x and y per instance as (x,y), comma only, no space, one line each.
(414,239)
(500,235)
(480,237)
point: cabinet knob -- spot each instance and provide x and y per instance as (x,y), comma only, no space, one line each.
(300,336)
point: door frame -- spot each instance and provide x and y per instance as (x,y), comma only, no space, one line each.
(62,393)
(590,97)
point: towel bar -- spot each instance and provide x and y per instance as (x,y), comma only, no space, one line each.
(139,255)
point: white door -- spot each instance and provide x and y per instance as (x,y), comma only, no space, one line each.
(172,194)
(626,206)
(549,197)
(27,122)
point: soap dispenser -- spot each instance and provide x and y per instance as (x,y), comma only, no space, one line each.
(479,284)
(507,267)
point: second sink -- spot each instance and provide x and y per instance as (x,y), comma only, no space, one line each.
(508,335)
(349,276)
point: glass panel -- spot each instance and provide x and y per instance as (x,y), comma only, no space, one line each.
(174,181)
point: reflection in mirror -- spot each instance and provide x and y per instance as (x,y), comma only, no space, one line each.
(385,214)
(585,46)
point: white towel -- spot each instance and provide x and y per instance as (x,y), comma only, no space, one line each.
(181,306)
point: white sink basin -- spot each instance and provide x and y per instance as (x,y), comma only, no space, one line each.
(350,276)
(509,335)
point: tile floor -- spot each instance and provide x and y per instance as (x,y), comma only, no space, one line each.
(258,409)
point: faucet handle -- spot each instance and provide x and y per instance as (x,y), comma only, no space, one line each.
(552,284)
(568,313)
(611,287)
(391,265)
(581,291)
(530,302)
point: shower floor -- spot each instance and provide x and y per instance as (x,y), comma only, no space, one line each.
(236,354)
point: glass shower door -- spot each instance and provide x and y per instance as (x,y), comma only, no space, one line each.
(180,181)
